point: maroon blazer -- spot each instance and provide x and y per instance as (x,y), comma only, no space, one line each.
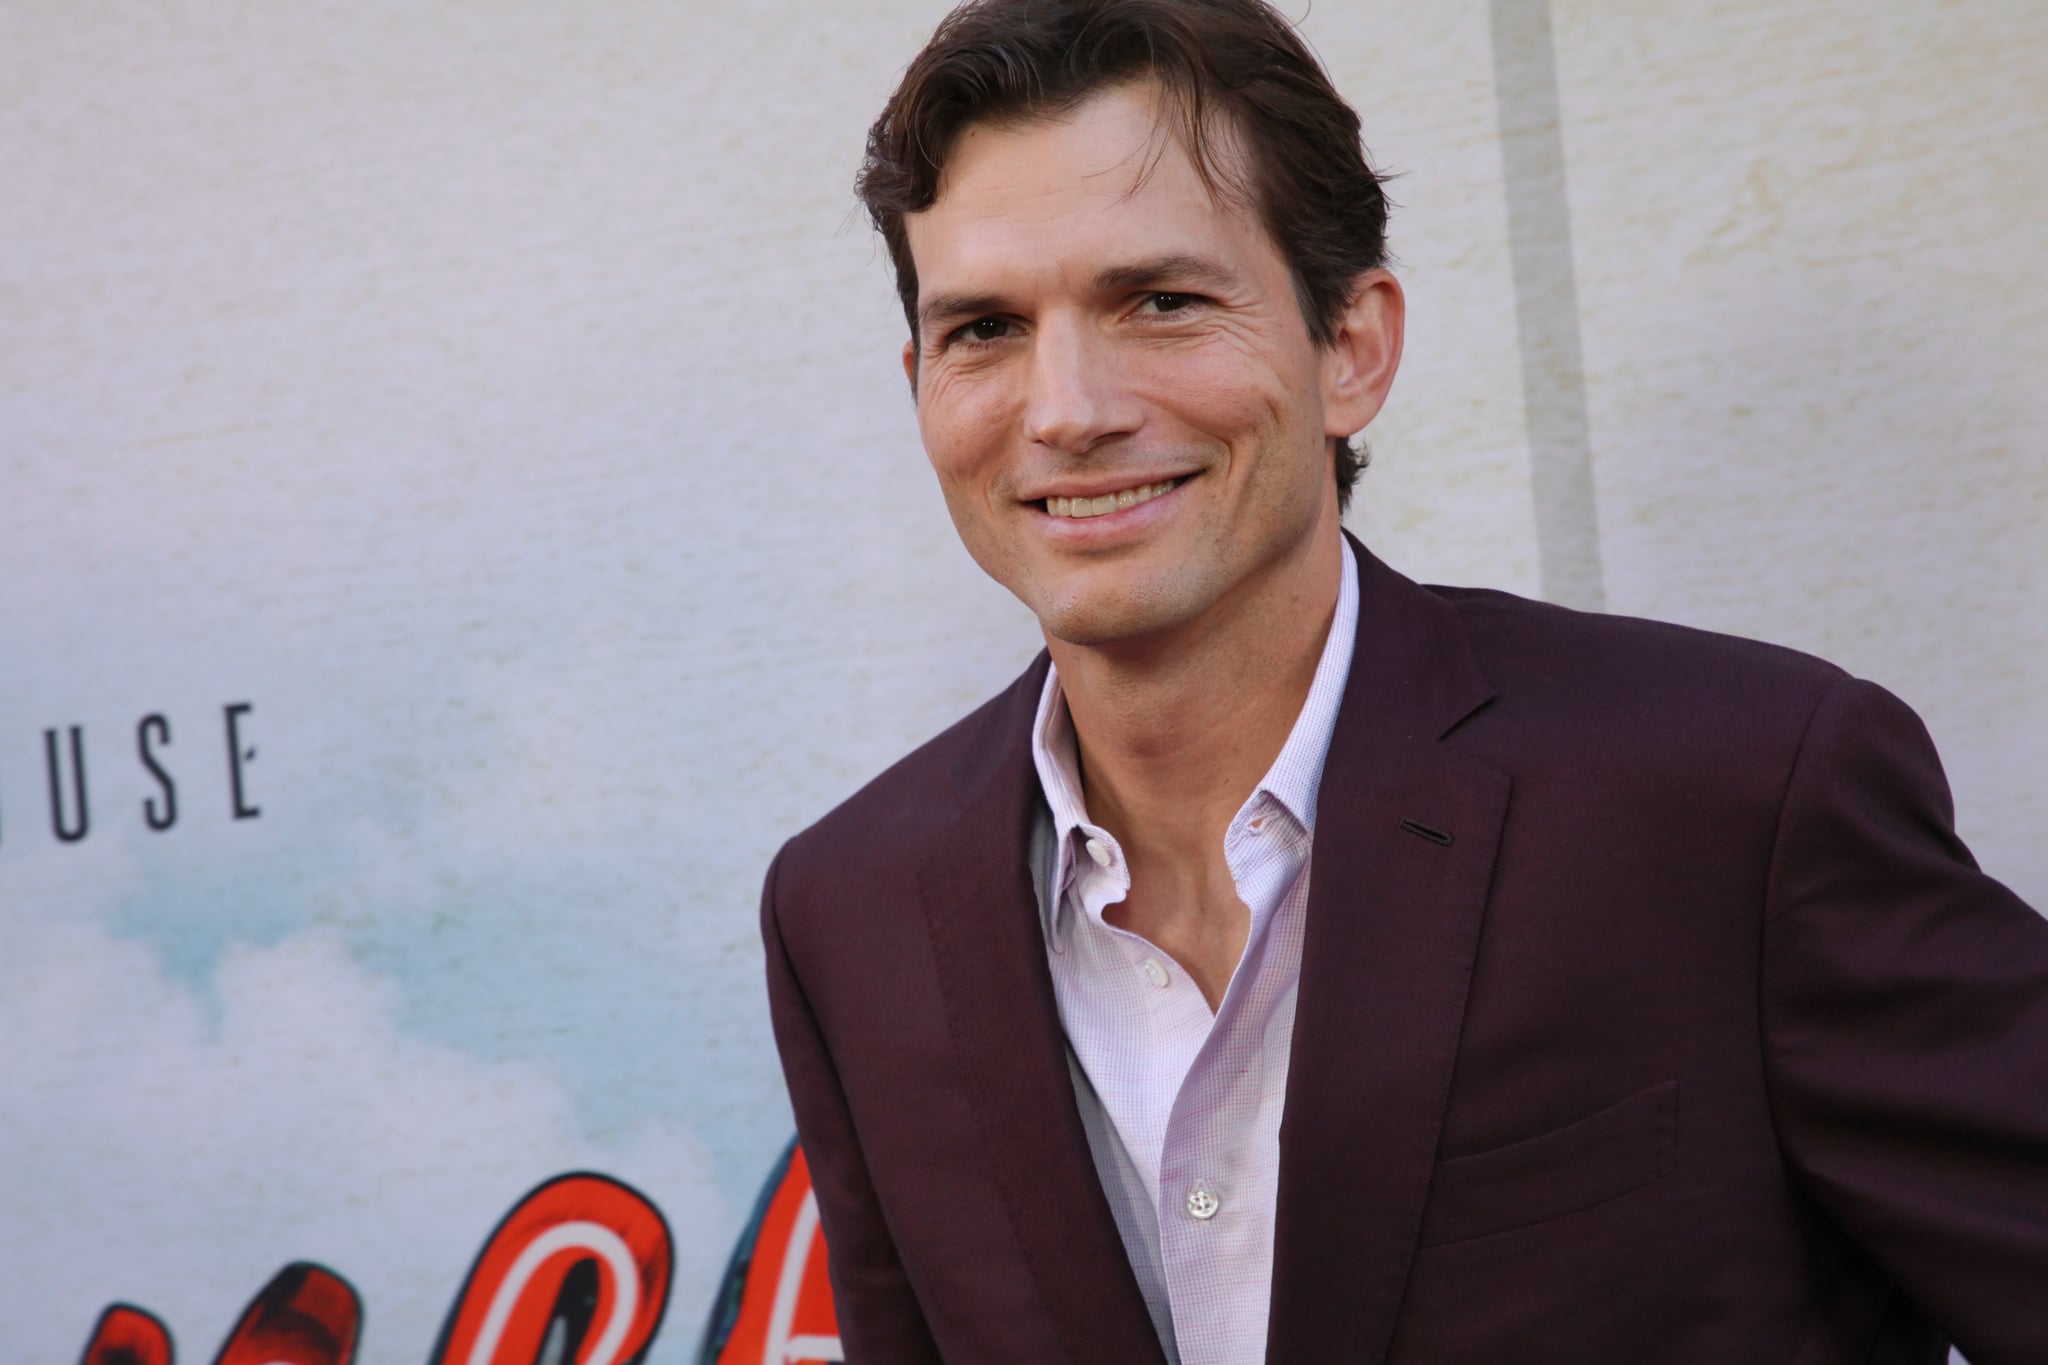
(1650,1011)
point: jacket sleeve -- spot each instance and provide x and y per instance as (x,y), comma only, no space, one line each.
(1905,1000)
(880,1322)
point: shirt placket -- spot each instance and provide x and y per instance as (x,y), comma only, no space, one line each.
(1209,1210)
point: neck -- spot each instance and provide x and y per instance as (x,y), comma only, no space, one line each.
(1175,732)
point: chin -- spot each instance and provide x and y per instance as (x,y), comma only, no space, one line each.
(1125,615)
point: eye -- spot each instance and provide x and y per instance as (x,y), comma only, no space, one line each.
(1166,301)
(982,331)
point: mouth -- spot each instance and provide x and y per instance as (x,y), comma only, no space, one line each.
(1079,509)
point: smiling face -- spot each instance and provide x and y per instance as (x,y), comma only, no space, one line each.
(1115,384)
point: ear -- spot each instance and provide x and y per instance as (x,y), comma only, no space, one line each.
(910,364)
(1359,363)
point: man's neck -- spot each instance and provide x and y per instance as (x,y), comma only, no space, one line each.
(1174,735)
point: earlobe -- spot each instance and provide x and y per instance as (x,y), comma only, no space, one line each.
(1359,363)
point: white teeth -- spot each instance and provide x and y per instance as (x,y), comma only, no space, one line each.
(1108,502)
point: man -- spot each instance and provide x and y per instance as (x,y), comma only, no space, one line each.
(1299,964)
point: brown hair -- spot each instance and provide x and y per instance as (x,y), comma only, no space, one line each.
(1007,61)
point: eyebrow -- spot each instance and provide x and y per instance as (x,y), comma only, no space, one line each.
(1181,269)
(1177,268)
(942,308)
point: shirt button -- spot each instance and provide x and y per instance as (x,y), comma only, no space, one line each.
(1099,851)
(1155,973)
(1203,1204)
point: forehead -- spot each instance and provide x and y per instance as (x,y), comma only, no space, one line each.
(1110,176)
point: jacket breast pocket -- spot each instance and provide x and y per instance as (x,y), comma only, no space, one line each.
(1601,1157)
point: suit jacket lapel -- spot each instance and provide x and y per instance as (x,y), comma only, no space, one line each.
(989,950)
(1392,928)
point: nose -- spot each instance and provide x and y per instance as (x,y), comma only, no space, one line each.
(1079,395)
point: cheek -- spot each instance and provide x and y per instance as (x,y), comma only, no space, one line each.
(1237,399)
(961,424)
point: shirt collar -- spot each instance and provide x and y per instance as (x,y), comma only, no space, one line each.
(1293,780)
(1297,773)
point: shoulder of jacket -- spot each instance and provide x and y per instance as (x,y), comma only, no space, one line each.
(1512,634)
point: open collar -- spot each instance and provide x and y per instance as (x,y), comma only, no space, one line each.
(1293,780)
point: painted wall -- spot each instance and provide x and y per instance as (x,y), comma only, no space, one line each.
(500,402)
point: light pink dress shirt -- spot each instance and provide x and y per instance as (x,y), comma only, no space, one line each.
(1182,1107)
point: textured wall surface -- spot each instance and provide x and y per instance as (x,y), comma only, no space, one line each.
(1814,293)
(503,399)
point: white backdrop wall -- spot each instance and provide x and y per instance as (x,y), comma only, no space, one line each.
(501,400)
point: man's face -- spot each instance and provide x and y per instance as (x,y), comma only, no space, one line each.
(1115,385)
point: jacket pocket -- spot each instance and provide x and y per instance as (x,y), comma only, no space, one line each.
(1600,1157)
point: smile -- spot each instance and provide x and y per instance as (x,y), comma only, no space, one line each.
(1077,508)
